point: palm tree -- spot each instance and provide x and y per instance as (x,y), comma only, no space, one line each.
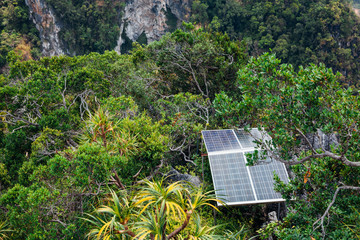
(155,194)
(126,143)
(99,127)
(152,224)
(191,201)
(164,201)
(102,129)
(156,211)
(113,220)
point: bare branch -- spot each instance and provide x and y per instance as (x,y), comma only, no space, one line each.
(11,119)
(186,158)
(326,213)
(349,163)
(58,221)
(116,180)
(63,95)
(185,223)
(320,140)
(84,107)
(137,174)
(307,140)
(275,156)
(181,151)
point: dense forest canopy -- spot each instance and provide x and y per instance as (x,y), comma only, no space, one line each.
(299,32)
(88,142)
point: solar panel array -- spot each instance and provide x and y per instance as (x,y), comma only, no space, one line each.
(235,182)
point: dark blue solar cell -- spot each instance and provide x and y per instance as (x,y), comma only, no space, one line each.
(220,140)
(230,177)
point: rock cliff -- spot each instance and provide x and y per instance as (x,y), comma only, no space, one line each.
(49,27)
(151,18)
(147,18)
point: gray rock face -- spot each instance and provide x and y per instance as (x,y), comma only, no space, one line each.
(176,176)
(181,8)
(48,25)
(322,140)
(272,216)
(149,17)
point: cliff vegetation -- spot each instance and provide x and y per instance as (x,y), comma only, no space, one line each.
(89,144)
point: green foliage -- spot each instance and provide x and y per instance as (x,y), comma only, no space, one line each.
(151,138)
(19,198)
(90,164)
(99,127)
(156,211)
(47,144)
(52,93)
(44,107)
(4,177)
(311,198)
(121,107)
(185,115)
(298,110)
(300,32)
(15,149)
(72,179)
(199,13)
(15,29)
(8,42)
(71,128)
(139,140)
(196,61)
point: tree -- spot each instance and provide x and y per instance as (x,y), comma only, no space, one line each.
(55,183)
(189,66)
(154,211)
(52,93)
(300,32)
(185,115)
(195,61)
(312,120)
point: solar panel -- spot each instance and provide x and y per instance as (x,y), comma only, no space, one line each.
(230,177)
(234,182)
(262,176)
(220,140)
(245,139)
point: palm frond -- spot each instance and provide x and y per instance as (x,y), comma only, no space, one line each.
(4,231)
